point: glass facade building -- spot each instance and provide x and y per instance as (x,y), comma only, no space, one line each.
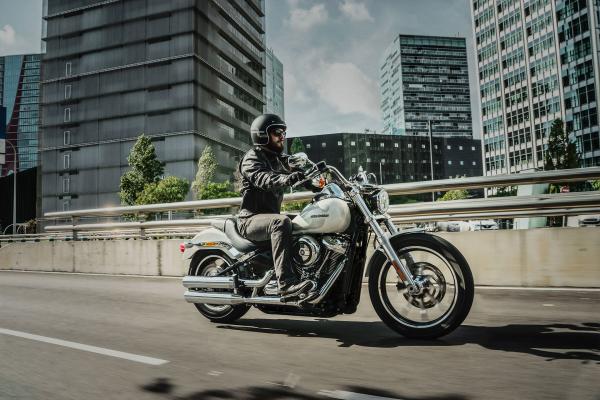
(422,79)
(537,61)
(20,97)
(274,85)
(186,73)
(400,158)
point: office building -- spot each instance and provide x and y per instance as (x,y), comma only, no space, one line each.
(274,85)
(422,79)
(537,61)
(186,73)
(399,158)
(19,102)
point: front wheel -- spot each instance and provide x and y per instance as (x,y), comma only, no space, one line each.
(447,280)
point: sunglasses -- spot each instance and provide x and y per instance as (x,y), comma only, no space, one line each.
(278,132)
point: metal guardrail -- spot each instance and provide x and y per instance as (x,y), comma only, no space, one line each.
(502,207)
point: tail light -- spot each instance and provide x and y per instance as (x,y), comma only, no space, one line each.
(182,247)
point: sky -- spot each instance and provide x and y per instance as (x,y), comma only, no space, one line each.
(330,50)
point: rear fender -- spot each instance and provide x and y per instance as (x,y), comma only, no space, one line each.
(213,240)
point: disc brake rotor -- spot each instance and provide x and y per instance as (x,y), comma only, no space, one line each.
(434,286)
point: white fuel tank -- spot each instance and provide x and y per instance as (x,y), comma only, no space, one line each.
(330,215)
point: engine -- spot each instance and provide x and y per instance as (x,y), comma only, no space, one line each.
(317,255)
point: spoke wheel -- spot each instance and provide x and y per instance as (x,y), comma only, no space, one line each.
(213,265)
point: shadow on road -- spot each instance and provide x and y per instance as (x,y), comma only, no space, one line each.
(164,387)
(553,341)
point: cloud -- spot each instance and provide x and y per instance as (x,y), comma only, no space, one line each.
(7,36)
(355,11)
(347,89)
(303,20)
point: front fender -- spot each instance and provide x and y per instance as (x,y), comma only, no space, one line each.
(379,257)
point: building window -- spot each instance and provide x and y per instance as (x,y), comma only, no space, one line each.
(395,144)
(66,185)
(474,162)
(422,146)
(424,162)
(410,161)
(381,144)
(383,161)
(410,145)
(352,143)
(68,69)
(460,147)
(449,147)
(473,148)
(353,159)
(462,162)
(424,176)
(67,117)
(368,160)
(437,162)
(323,144)
(397,161)
(368,144)
(339,143)
(66,205)
(412,177)
(449,162)
(67,91)
(66,137)
(308,146)
(435,146)
(67,161)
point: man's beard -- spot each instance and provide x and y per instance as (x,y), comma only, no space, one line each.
(271,146)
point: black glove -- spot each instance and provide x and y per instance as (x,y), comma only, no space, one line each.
(295,177)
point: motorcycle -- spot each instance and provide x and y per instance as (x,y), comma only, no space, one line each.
(420,285)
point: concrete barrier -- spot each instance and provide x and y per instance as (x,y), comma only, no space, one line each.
(554,257)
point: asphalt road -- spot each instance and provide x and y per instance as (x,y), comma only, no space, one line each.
(65,336)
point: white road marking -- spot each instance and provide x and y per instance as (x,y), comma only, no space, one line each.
(85,347)
(548,305)
(215,373)
(343,395)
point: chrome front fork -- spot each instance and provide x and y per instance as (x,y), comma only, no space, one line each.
(413,287)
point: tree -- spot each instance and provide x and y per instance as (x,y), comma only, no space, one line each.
(561,153)
(213,190)
(297,146)
(460,194)
(145,169)
(167,190)
(207,166)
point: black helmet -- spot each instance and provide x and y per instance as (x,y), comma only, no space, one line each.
(261,125)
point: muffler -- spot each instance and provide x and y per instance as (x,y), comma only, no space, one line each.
(232,299)
(223,282)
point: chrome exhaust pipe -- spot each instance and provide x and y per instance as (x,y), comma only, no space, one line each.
(232,299)
(223,282)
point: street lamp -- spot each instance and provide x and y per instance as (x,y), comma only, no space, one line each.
(14,186)
(431,156)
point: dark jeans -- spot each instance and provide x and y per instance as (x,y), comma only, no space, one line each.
(278,229)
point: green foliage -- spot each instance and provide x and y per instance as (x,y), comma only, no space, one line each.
(595,185)
(297,146)
(213,190)
(142,184)
(294,206)
(454,195)
(561,153)
(168,190)
(207,166)
(505,192)
(143,159)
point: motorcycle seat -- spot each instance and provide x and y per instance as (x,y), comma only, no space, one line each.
(238,241)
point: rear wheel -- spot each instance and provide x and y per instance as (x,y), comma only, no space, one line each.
(212,265)
(447,287)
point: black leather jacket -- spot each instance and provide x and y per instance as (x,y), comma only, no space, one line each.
(264,179)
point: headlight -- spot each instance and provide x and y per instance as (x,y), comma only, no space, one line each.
(382,201)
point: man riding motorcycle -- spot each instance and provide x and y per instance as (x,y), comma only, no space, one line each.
(265,174)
